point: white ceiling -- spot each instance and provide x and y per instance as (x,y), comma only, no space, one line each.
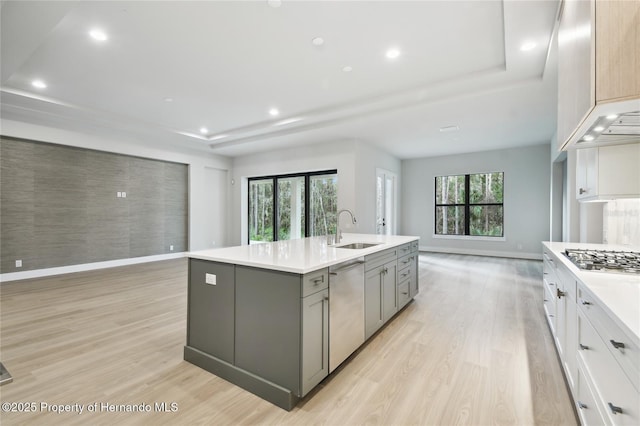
(225,64)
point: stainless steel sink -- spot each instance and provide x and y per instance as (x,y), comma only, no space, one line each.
(358,246)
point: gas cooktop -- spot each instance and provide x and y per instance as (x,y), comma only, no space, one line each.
(605,260)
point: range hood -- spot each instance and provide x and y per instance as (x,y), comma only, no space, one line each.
(613,128)
(610,123)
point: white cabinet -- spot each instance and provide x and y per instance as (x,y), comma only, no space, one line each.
(608,172)
(600,360)
(598,53)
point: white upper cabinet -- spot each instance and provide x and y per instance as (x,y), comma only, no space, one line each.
(608,172)
(598,62)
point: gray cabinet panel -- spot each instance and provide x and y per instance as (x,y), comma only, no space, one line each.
(268,325)
(211,309)
(373,316)
(315,339)
(389,291)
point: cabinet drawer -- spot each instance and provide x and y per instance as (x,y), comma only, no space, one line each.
(406,261)
(403,293)
(588,410)
(404,249)
(623,349)
(617,397)
(378,259)
(415,246)
(407,271)
(315,281)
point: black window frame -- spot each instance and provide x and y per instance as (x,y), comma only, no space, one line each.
(466,205)
(274,181)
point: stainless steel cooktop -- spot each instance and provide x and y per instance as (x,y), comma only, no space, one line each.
(605,260)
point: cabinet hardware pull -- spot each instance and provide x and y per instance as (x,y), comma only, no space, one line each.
(584,347)
(617,345)
(584,302)
(545,300)
(582,191)
(560,293)
(582,406)
(614,409)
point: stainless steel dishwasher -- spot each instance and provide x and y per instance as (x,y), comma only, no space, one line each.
(346,310)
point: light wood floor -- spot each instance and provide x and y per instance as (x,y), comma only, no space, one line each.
(472,348)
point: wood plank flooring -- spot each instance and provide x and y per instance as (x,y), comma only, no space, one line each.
(473,348)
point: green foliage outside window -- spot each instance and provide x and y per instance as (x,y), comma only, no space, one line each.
(470,204)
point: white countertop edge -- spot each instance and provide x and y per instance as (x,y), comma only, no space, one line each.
(302,263)
(625,312)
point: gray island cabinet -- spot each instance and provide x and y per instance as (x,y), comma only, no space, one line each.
(264,325)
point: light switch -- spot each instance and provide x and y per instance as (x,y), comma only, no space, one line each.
(210,279)
(118,194)
(124,195)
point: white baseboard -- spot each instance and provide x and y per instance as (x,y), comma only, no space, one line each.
(37,273)
(491,253)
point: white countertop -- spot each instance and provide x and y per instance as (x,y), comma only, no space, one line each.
(300,256)
(619,293)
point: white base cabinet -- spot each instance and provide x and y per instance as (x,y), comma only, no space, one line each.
(601,362)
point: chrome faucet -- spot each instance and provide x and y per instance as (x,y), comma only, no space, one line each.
(339,232)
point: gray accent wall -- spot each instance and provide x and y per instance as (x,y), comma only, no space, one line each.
(58,206)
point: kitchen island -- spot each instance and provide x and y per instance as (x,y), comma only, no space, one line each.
(258,315)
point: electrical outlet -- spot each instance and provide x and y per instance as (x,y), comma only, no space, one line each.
(210,279)
(170,248)
(124,195)
(519,246)
(19,263)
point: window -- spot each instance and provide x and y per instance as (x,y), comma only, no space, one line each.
(470,205)
(292,206)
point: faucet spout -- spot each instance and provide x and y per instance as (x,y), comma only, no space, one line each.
(339,232)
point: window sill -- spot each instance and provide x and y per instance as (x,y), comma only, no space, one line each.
(467,237)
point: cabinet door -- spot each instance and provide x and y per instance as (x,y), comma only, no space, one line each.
(210,321)
(389,290)
(586,172)
(315,339)
(373,316)
(619,170)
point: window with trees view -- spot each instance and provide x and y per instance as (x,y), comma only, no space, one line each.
(292,206)
(470,205)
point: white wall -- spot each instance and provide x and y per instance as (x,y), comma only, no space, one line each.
(198,163)
(526,199)
(356,163)
(621,222)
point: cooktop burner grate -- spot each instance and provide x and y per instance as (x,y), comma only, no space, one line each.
(605,260)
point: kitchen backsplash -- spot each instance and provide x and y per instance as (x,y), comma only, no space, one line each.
(621,222)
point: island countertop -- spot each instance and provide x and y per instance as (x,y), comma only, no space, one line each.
(618,292)
(302,255)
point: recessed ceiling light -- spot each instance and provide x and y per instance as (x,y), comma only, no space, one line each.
(274,112)
(392,53)
(274,3)
(612,117)
(598,129)
(529,45)
(587,138)
(39,84)
(98,35)
(204,130)
(216,137)
(168,99)
(318,41)
(347,68)
(449,129)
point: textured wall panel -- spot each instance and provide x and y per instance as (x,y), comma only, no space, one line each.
(58,206)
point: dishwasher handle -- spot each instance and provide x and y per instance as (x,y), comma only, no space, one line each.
(345,267)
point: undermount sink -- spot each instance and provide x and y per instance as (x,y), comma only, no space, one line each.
(358,246)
